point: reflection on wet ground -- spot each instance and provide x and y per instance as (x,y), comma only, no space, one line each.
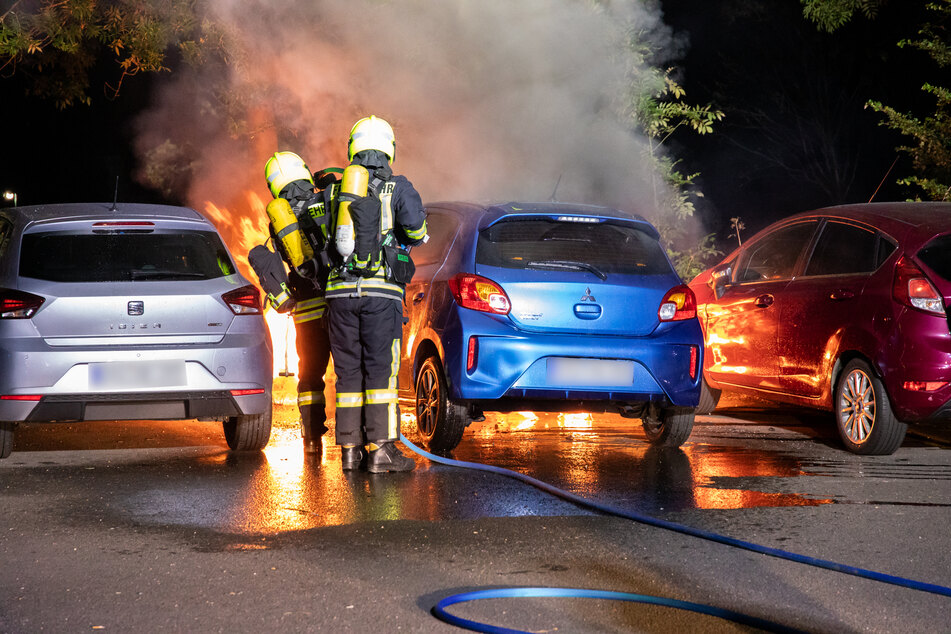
(182,474)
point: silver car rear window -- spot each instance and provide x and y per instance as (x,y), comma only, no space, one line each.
(549,244)
(159,256)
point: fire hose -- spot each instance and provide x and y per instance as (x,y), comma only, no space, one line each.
(439,610)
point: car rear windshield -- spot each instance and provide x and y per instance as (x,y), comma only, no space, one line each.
(123,257)
(937,255)
(601,248)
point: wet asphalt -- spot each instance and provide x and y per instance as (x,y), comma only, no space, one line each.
(143,527)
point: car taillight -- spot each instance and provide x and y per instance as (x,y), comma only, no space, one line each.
(479,293)
(18,305)
(679,303)
(913,288)
(244,301)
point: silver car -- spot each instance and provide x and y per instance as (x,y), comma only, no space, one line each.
(128,312)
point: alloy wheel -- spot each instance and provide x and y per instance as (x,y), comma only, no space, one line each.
(857,406)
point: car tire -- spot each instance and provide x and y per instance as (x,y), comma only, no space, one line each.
(669,427)
(249,432)
(440,422)
(709,398)
(6,438)
(863,413)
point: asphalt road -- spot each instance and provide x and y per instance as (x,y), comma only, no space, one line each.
(144,527)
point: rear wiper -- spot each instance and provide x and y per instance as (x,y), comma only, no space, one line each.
(571,265)
(139,274)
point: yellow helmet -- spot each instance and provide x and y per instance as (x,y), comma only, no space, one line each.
(284,168)
(372,133)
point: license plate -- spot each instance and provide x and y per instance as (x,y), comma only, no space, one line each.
(590,372)
(125,375)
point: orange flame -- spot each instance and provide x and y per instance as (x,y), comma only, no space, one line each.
(242,230)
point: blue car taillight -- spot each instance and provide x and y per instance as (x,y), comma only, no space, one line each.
(679,303)
(479,293)
(18,305)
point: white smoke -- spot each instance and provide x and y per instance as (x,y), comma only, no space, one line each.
(491,100)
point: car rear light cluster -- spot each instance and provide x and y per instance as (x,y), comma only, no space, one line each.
(18,305)
(679,303)
(479,293)
(913,288)
(244,301)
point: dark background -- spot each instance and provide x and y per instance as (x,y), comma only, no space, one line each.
(793,99)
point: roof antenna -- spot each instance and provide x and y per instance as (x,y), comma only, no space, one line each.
(554,191)
(115,197)
(875,193)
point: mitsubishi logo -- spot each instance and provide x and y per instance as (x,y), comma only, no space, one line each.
(136,308)
(588,297)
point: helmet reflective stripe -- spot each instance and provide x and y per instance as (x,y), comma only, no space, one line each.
(284,168)
(372,133)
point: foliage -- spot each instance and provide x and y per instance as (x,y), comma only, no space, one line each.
(829,15)
(659,109)
(930,135)
(58,43)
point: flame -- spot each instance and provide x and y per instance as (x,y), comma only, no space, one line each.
(243,228)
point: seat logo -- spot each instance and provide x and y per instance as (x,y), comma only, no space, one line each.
(588,297)
(137,308)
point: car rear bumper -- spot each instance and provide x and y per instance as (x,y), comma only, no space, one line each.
(60,383)
(135,406)
(513,365)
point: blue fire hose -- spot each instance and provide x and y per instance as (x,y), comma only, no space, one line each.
(439,609)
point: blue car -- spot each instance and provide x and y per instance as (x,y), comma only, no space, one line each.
(547,307)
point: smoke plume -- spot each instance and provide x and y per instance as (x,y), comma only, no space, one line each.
(491,100)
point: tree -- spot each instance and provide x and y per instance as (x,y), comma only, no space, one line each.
(59,43)
(930,134)
(658,108)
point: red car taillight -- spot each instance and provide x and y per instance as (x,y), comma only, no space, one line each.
(679,303)
(479,293)
(913,288)
(18,305)
(244,301)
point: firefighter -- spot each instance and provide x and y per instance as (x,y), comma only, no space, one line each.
(289,178)
(365,299)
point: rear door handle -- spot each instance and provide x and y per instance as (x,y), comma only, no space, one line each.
(418,297)
(763,301)
(841,293)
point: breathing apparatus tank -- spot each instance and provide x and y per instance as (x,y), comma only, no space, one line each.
(354,185)
(285,226)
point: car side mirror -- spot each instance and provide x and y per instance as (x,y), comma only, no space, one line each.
(720,279)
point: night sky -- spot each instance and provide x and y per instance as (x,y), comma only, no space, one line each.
(773,68)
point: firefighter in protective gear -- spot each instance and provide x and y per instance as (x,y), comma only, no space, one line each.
(290,180)
(365,304)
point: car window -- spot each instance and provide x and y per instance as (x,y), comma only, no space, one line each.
(774,256)
(159,256)
(601,248)
(937,255)
(441,228)
(843,249)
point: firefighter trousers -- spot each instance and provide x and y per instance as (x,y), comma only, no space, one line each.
(313,352)
(365,335)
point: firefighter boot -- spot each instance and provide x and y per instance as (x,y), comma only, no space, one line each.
(385,456)
(351,457)
(313,437)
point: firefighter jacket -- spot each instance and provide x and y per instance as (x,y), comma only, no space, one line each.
(403,220)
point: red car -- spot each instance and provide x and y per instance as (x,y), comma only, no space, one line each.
(842,309)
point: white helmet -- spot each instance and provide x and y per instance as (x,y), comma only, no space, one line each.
(284,168)
(372,133)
